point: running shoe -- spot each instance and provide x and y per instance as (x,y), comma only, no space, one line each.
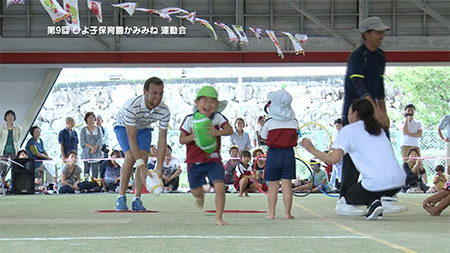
(137,206)
(121,204)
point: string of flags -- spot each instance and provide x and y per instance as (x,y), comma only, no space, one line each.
(69,13)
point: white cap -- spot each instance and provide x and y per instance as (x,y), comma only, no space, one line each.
(373,23)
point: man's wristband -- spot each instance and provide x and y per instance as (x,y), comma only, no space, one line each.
(140,162)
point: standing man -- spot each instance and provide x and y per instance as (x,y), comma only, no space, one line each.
(445,123)
(68,139)
(134,134)
(364,79)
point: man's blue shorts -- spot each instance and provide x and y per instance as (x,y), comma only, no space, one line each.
(197,173)
(144,138)
(280,164)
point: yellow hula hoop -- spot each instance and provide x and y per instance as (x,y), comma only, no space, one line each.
(329,135)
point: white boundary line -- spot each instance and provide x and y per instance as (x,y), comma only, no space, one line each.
(177,237)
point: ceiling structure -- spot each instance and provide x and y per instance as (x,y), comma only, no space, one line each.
(31,59)
(417,26)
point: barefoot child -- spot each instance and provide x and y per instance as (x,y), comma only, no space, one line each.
(200,163)
(244,180)
(436,203)
(280,134)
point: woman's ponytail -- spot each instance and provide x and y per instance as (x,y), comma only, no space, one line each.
(366,113)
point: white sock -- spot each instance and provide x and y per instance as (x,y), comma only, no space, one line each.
(135,197)
(120,196)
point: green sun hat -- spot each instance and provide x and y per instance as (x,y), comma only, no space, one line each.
(207,91)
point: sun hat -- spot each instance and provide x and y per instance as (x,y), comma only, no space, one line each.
(207,91)
(372,23)
(280,106)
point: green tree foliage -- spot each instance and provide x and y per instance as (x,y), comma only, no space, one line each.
(428,88)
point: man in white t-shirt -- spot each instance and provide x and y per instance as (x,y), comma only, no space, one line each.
(412,131)
(134,134)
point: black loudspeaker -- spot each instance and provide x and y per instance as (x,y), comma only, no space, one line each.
(22,177)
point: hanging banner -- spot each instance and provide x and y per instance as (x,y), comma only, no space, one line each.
(189,17)
(9,2)
(54,10)
(233,37)
(240,32)
(257,32)
(297,47)
(96,8)
(301,37)
(73,21)
(128,7)
(207,25)
(275,42)
(166,12)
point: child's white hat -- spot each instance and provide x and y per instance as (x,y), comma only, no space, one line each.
(280,107)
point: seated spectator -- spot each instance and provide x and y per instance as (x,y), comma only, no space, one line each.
(439,180)
(35,149)
(436,203)
(38,187)
(259,168)
(244,179)
(171,171)
(414,170)
(152,157)
(320,180)
(110,172)
(231,164)
(70,177)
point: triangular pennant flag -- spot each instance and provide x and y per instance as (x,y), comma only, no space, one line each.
(207,25)
(275,42)
(166,12)
(73,21)
(233,37)
(298,48)
(240,32)
(257,32)
(301,37)
(54,10)
(96,8)
(189,17)
(151,11)
(9,2)
(128,7)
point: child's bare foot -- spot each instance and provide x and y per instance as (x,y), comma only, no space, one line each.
(240,196)
(246,195)
(270,217)
(199,202)
(289,216)
(220,222)
(432,210)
